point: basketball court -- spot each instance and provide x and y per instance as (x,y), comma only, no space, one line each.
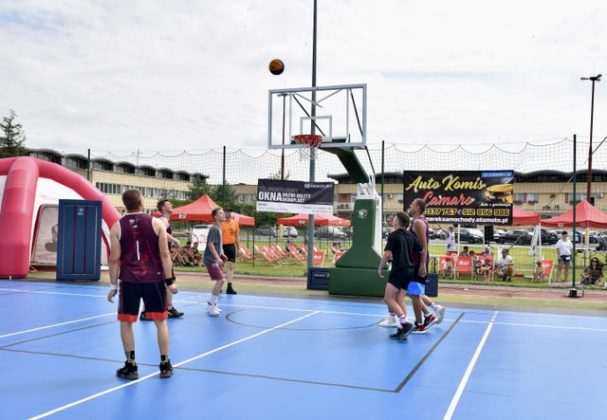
(278,357)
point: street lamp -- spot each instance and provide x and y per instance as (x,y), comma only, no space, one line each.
(593,79)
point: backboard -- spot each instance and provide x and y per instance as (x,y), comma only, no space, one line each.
(337,113)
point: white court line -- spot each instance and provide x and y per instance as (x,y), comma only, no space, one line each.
(57,325)
(464,381)
(151,375)
(468,321)
(42,292)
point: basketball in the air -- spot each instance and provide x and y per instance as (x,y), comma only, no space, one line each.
(276,66)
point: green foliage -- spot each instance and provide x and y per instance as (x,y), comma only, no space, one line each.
(267,219)
(224,195)
(12,139)
(179,203)
(198,187)
(276,175)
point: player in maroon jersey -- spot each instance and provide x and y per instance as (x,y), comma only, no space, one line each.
(140,258)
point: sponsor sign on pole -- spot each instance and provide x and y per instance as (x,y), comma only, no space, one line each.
(475,197)
(294,196)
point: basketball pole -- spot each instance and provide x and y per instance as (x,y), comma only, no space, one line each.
(573,292)
(312,149)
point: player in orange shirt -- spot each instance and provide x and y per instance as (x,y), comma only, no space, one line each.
(231,246)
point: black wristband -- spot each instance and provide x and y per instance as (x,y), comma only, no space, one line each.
(169,281)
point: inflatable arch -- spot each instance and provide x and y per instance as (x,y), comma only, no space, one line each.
(26,186)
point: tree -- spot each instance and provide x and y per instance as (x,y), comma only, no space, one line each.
(224,195)
(198,187)
(276,175)
(12,139)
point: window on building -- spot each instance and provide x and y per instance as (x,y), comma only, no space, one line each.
(579,197)
(533,198)
(519,198)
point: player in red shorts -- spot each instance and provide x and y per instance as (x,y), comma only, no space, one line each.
(140,258)
(214,260)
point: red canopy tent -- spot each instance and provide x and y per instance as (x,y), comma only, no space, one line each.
(319,220)
(200,211)
(586,216)
(524,217)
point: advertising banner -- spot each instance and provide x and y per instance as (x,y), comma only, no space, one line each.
(294,196)
(474,197)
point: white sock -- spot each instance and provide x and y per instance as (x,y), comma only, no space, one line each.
(402,320)
(213,300)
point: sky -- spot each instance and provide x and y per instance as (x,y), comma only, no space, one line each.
(122,75)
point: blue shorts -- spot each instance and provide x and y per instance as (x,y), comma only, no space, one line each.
(416,289)
(565,260)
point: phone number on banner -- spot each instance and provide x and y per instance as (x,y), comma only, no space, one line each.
(466,212)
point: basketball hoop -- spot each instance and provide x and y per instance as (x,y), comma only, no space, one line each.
(312,141)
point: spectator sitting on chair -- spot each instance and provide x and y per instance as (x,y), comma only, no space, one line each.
(187,253)
(476,263)
(336,247)
(593,274)
(485,270)
(538,272)
(504,266)
(176,255)
(449,269)
(465,252)
(196,255)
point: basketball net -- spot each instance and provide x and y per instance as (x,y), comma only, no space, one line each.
(311,144)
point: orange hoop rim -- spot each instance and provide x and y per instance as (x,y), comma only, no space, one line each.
(312,140)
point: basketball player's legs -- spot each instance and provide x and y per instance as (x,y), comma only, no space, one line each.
(230,252)
(415,290)
(391,297)
(155,300)
(394,297)
(439,310)
(128,309)
(217,276)
(162,328)
(173,312)
(128,339)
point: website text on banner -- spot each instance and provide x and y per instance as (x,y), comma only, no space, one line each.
(294,196)
(476,197)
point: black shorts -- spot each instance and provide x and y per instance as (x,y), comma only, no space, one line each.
(403,278)
(230,252)
(154,297)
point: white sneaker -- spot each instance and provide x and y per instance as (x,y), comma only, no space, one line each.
(213,310)
(389,322)
(439,311)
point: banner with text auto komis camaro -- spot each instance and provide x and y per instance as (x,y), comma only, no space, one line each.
(476,197)
(295,196)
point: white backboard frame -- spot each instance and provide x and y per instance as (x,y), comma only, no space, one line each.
(344,125)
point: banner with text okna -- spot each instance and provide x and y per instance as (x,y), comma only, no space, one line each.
(475,197)
(294,196)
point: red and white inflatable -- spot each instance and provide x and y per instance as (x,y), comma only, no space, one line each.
(28,186)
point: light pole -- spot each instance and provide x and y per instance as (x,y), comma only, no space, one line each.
(593,79)
(312,150)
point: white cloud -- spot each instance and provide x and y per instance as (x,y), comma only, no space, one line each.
(191,75)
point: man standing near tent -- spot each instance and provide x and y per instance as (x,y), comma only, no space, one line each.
(165,207)
(231,246)
(564,248)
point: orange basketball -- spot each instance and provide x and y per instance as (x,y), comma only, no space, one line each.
(276,66)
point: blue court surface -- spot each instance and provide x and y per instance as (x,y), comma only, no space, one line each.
(294,358)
